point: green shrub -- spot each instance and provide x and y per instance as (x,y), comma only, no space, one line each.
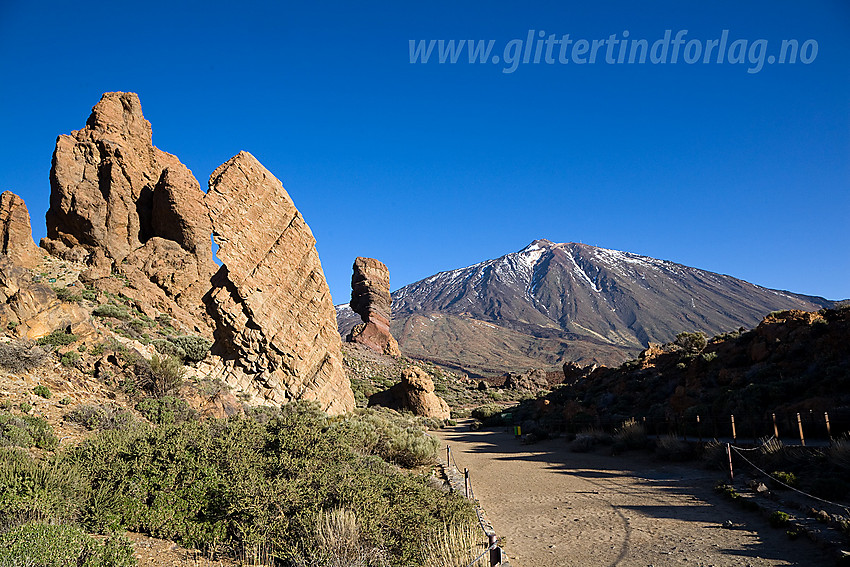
(779,518)
(112,310)
(488,412)
(58,338)
(166,374)
(25,407)
(708,356)
(67,295)
(21,356)
(49,545)
(166,410)
(692,342)
(103,417)
(241,484)
(785,477)
(71,359)
(26,431)
(195,348)
(168,348)
(631,435)
(42,391)
(89,294)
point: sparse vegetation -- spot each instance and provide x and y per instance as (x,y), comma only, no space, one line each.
(57,338)
(67,295)
(21,356)
(166,410)
(112,310)
(42,391)
(26,431)
(691,342)
(52,545)
(194,348)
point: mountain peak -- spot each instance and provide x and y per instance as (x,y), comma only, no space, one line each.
(538,244)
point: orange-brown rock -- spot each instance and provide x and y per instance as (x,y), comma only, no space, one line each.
(116,201)
(275,321)
(31,308)
(370,298)
(16,233)
(414,393)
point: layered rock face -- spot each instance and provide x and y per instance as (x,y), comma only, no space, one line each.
(118,203)
(275,321)
(370,298)
(16,232)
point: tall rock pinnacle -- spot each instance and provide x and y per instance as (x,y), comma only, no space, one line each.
(370,298)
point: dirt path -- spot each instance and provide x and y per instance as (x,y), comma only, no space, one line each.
(559,508)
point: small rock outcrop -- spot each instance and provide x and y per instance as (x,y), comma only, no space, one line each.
(16,232)
(275,321)
(532,380)
(370,298)
(118,203)
(415,393)
(31,309)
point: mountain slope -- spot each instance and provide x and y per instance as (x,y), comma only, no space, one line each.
(550,302)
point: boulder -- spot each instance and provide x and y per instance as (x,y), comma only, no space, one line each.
(370,298)
(531,380)
(16,233)
(275,323)
(414,393)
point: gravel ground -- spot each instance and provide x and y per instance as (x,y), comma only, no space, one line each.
(559,508)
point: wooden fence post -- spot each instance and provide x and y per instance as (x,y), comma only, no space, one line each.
(826,418)
(466,482)
(448,456)
(734,435)
(496,552)
(699,431)
(800,426)
(775,428)
(729,454)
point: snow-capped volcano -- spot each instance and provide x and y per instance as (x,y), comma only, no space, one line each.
(552,302)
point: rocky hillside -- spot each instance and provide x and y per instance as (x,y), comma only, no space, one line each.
(793,361)
(553,302)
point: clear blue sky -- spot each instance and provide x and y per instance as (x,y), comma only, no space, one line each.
(431,167)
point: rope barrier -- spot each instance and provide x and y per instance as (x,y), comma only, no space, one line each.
(493,546)
(837,505)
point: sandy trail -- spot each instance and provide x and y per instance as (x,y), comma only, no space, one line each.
(558,508)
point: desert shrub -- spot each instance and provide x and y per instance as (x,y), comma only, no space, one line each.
(708,356)
(21,356)
(161,375)
(692,342)
(784,477)
(51,545)
(168,348)
(67,295)
(103,417)
(588,439)
(779,518)
(631,435)
(196,348)
(57,338)
(89,294)
(46,490)
(42,391)
(26,431)
(70,359)
(388,435)
(839,452)
(237,483)
(25,407)
(451,546)
(671,448)
(166,410)
(338,543)
(111,310)
(714,455)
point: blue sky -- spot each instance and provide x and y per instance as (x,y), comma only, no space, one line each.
(431,167)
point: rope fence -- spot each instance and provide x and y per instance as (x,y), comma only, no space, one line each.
(454,474)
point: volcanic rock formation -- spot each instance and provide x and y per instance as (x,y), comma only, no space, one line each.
(370,298)
(124,207)
(414,393)
(16,233)
(275,321)
(118,203)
